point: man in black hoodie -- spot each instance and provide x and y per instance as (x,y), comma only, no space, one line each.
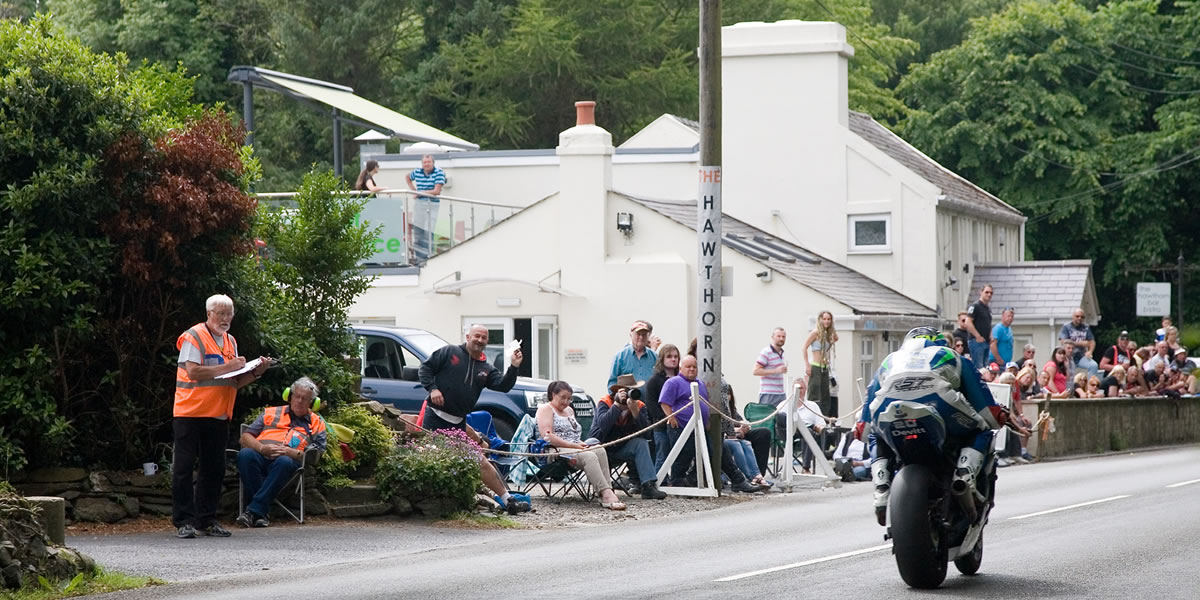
(454,377)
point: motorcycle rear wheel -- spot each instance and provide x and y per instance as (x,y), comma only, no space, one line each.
(914,533)
(969,564)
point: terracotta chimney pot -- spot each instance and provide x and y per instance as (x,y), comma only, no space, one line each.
(585,112)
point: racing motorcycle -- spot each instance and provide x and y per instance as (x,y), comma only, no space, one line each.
(933,519)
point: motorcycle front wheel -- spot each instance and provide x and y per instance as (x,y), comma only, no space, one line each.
(914,532)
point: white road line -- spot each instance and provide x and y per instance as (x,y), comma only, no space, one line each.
(806,563)
(1054,510)
(1183,483)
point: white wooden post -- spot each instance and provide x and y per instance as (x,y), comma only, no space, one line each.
(705,480)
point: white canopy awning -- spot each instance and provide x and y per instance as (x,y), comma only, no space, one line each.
(390,121)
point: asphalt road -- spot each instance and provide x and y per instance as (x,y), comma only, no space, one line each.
(1133,536)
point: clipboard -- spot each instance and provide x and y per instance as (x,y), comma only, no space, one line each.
(250,366)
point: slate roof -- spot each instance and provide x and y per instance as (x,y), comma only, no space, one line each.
(960,193)
(1039,289)
(861,293)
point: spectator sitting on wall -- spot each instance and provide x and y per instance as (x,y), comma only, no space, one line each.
(1135,383)
(1114,384)
(1078,386)
(1085,342)
(1120,353)
(1162,354)
(1157,378)
(621,413)
(1093,387)
(1057,368)
(1183,371)
(1172,339)
(1027,382)
(1026,356)
(273,449)
(1069,360)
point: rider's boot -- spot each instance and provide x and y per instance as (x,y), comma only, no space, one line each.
(881,476)
(969,462)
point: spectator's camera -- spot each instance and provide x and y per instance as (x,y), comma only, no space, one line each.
(635,394)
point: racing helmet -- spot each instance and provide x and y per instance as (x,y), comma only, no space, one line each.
(932,336)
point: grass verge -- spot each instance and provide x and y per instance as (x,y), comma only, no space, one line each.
(474,520)
(100,583)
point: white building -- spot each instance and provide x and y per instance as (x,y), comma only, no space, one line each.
(826,210)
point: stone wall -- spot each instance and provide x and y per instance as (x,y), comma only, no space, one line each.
(109,496)
(1090,426)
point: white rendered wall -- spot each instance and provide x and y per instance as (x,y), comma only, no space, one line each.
(784,111)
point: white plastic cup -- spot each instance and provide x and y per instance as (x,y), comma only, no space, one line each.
(149,468)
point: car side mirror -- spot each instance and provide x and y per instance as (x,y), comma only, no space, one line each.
(409,374)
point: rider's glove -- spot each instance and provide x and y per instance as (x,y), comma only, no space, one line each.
(859,427)
(1000,414)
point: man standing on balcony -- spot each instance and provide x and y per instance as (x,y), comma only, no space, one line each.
(427,182)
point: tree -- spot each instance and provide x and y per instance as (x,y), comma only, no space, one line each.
(125,208)
(310,277)
(513,84)
(1084,120)
(934,26)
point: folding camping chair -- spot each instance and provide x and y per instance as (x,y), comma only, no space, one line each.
(754,412)
(293,487)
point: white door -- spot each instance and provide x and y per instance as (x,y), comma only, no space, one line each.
(545,347)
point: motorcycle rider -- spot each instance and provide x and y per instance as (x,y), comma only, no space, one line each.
(927,371)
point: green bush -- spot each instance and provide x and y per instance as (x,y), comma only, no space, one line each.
(372,442)
(441,465)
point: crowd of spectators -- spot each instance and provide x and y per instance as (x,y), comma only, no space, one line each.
(1071,370)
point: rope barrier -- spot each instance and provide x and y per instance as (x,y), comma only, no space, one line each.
(565,451)
(571,451)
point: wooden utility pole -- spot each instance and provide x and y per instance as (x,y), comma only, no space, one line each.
(708,222)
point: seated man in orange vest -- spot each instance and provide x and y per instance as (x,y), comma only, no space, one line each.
(273,448)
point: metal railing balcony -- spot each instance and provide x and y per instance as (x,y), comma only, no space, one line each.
(415,229)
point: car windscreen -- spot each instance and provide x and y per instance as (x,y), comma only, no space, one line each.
(425,343)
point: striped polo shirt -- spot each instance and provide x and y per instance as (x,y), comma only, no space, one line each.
(770,359)
(427,181)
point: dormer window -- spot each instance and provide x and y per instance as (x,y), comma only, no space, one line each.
(870,234)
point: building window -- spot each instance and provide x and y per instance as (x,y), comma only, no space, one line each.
(866,358)
(870,233)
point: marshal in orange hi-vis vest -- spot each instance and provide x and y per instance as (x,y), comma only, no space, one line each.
(212,398)
(278,428)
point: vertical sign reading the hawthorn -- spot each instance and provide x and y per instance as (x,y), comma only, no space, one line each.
(708,230)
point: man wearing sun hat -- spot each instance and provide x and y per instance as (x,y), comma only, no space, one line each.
(637,357)
(621,413)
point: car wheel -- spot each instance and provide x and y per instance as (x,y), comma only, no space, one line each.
(505,428)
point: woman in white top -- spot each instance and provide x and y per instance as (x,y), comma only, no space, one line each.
(819,344)
(557,425)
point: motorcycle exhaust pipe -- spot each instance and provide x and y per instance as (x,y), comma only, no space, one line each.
(961,490)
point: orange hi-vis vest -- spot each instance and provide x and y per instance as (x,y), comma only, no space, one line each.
(212,398)
(278,428)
